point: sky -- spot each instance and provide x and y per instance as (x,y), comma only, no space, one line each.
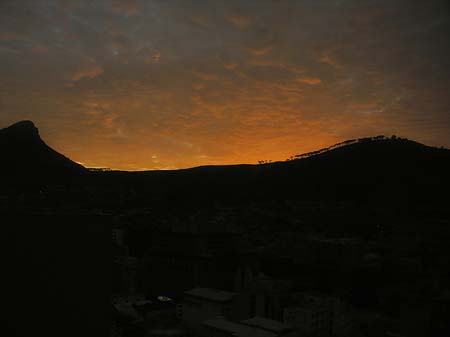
(166,84)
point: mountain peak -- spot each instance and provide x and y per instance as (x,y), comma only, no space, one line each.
(23,129)
(29,158)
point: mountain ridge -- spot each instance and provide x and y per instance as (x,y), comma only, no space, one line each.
(365,170)
(27,158)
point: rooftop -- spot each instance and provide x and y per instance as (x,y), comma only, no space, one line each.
(267,324)
(307,303)
(210,294)
(237,329)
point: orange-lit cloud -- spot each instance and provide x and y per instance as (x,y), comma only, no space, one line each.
(205,77)
(239,21)
(87,72)
(156,57)
(330,60)
(309,80)
(5,36)
(230,65)
(259,51)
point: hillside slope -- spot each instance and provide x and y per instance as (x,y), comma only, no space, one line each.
(26,158)
(388,169)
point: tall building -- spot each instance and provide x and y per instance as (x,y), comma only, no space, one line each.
(311,316)
(200,304)
(183,259)
(117,236)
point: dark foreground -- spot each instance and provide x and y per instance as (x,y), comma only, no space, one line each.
(351,241)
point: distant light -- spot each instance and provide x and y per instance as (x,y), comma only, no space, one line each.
(164,299)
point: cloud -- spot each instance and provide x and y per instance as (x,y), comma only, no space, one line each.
(127,7)
(108,122)
(329,60)
(6,37)
(69,6)
(202,21)
(239,21)
(8,50)
(206,77)
(97,105)
(230,65)
(259,51)
(198,86)
(39,49)
(156,57)
(371,107)
(309,80)
(87,72)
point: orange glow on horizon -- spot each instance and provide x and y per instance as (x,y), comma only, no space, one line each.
(137,85)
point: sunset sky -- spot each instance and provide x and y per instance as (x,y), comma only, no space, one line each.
(162,84)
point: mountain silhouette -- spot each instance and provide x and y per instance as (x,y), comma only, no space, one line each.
(26,157)
(372,170)
(367,170)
